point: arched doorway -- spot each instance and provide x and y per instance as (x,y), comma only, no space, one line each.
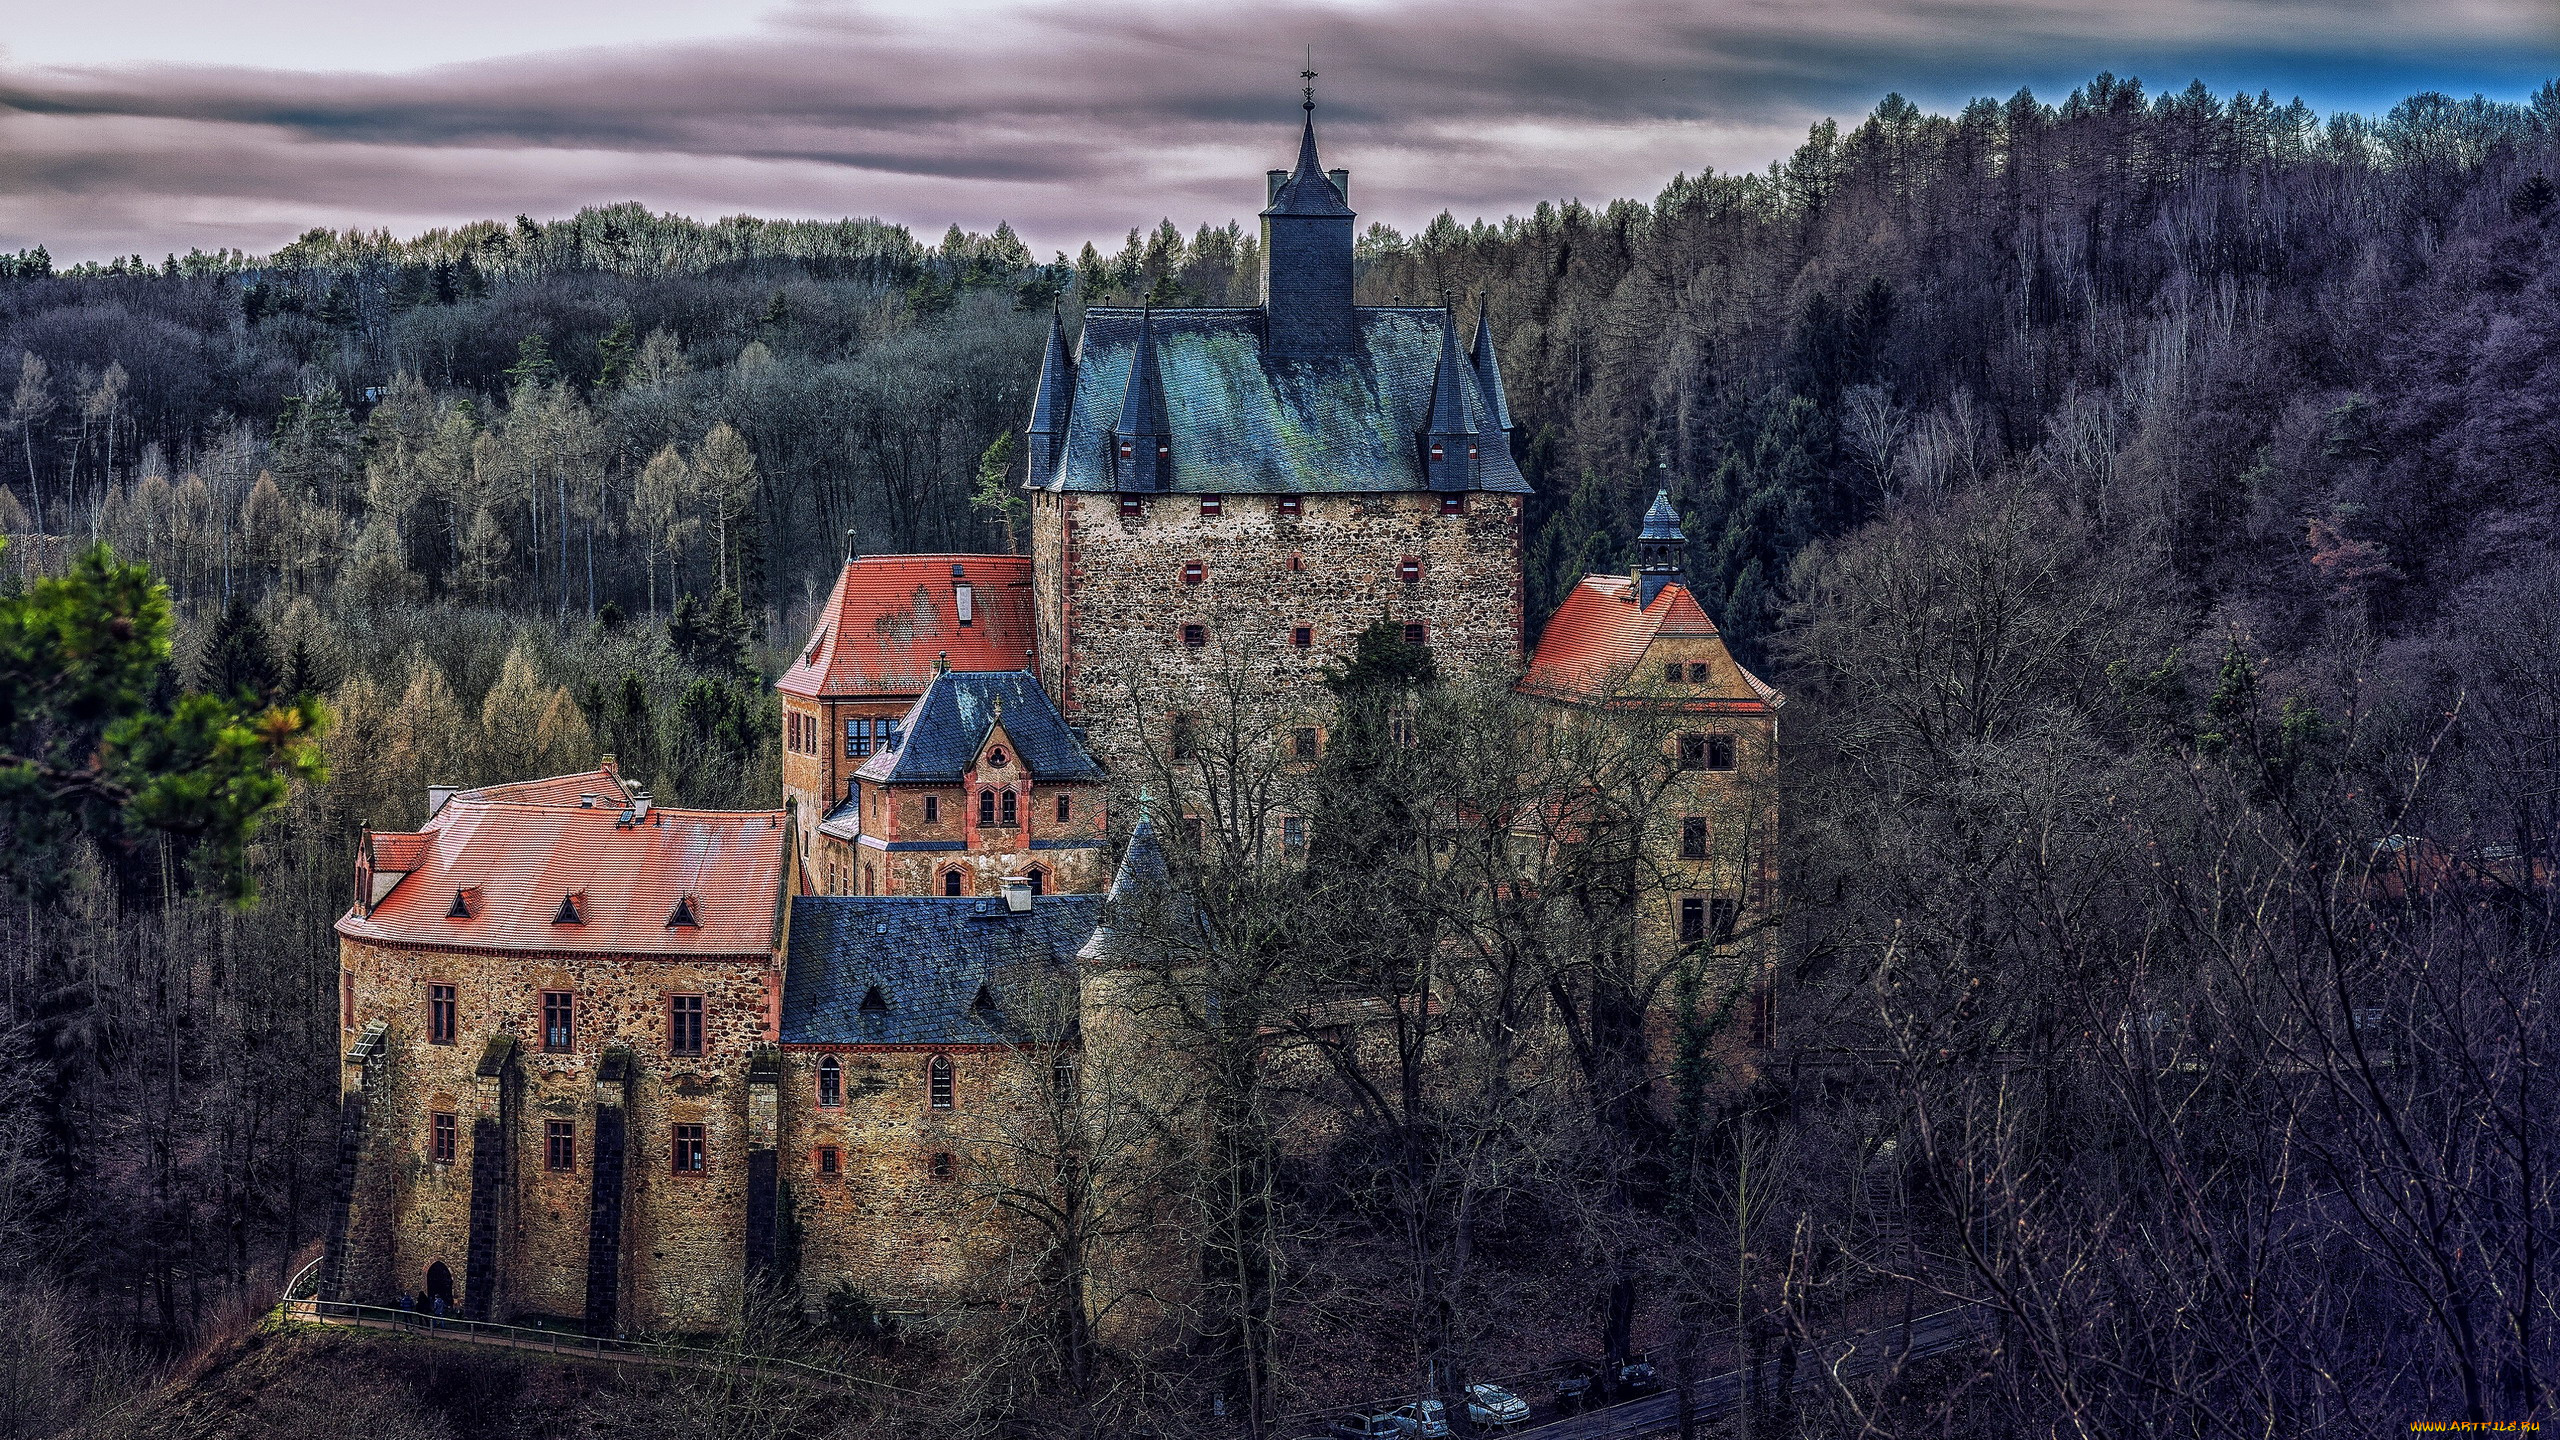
(439,1284)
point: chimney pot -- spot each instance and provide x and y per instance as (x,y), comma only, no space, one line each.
(1341,181)
(437,795)
(1272,181)
(852,551)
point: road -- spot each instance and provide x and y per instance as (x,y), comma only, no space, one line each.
(1720,1395)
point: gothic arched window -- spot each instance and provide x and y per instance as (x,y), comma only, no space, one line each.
(830,1082)
(951,883)
(938,1082)
(1011,816)
(986,807)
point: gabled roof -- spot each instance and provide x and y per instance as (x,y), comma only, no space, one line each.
(948,725)
(889,616)
(521,863)
(603,782)
(928,957)
(1243,423)
(1590,648)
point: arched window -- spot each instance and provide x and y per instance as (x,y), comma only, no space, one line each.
(938,1082)
(830,1082)
(986,807)
(951,882)
(1011,816)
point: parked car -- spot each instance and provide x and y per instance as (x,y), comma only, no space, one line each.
(1367,1427)
(1494,1406)
(1573,1387)
(1422,1420)
(1636,1377)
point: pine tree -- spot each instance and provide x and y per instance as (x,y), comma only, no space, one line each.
(616,352)
(239,662)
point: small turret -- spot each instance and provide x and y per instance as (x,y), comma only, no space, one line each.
(1051,403)
(1142,443)
(1661,550)
(1449,431)
(1144,883)
(1497,405)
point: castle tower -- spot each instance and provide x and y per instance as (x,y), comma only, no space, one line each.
(1235,494)
(1662,551)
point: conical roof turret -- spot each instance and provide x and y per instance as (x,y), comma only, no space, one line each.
(1449,430)
(1143,884)
(1497,404)
(1055,397)
(1143,438)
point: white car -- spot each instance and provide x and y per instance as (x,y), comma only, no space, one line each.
(1492,1405)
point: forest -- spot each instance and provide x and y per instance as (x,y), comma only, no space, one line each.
(2146,502)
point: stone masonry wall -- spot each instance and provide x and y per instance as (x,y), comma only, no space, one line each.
(885,1224)
(1112,598)
(683,1256)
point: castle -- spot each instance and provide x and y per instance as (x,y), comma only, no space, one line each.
(608,1061)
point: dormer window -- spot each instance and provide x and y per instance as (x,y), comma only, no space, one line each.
(1008,815)
(1435,452)
(1128,450)
(573,909)
(465,905)
(985,1004)
(961,596)
(684,914)
(874,1003)
(986,812)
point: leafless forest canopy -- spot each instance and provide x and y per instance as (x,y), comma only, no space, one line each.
(2146,503)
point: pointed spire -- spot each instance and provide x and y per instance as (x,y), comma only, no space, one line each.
(1308,190)
(1497,404)
(1661,550)
(1056,394)
(1143,438)
(1449,431)
(1144,883)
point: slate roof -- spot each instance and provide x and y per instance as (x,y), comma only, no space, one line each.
(521,860)
(1242,423)
(1308,190)
(928,955)
(944,730)
(890,616)
(1590,649)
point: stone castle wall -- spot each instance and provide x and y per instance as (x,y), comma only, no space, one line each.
(1112,599)
(682,1262)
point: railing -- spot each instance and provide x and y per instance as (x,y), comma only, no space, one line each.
(565,1342)
(305,1284)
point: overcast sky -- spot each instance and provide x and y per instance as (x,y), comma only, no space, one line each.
(157,125)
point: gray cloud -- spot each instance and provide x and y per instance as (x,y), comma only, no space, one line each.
(1079,121)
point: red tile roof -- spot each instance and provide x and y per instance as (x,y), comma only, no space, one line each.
(1592,644)
(521,859)
(891,615)
(601,782)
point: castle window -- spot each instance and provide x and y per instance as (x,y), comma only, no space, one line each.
(1039,879)
(933,809)
(684,1024)
(1693,837)
(1212,504)
(996,757)
(1671,672)
(1062,1079)
(1297,564)
(1401,733)
(1193,572)
(1066,809)
(938,1082)
(1289,505)
(940,1166)
(1719,752)
(1436,452)
(869,885)
(1007,817)
(1131,506)
(1302,743)
(440,1008)
(1698,672)
(1693,920)
(1293,834)
(952,880)
(830,1164)
(346,999)
(444,1137)
(1456,504)
(1722,917)
(1693,752)
(830,1082)
(857,739)
(1195,636)
(1302,637)
(1186,737)
(559,1021)
(1415,634)
(688,1158)
(560,1144)
(1409,569)
(986,807)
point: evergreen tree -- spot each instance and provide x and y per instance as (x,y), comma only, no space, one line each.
(239,661)
(533,363)
(615,353)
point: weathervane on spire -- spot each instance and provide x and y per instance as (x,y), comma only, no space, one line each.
(1309,75)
